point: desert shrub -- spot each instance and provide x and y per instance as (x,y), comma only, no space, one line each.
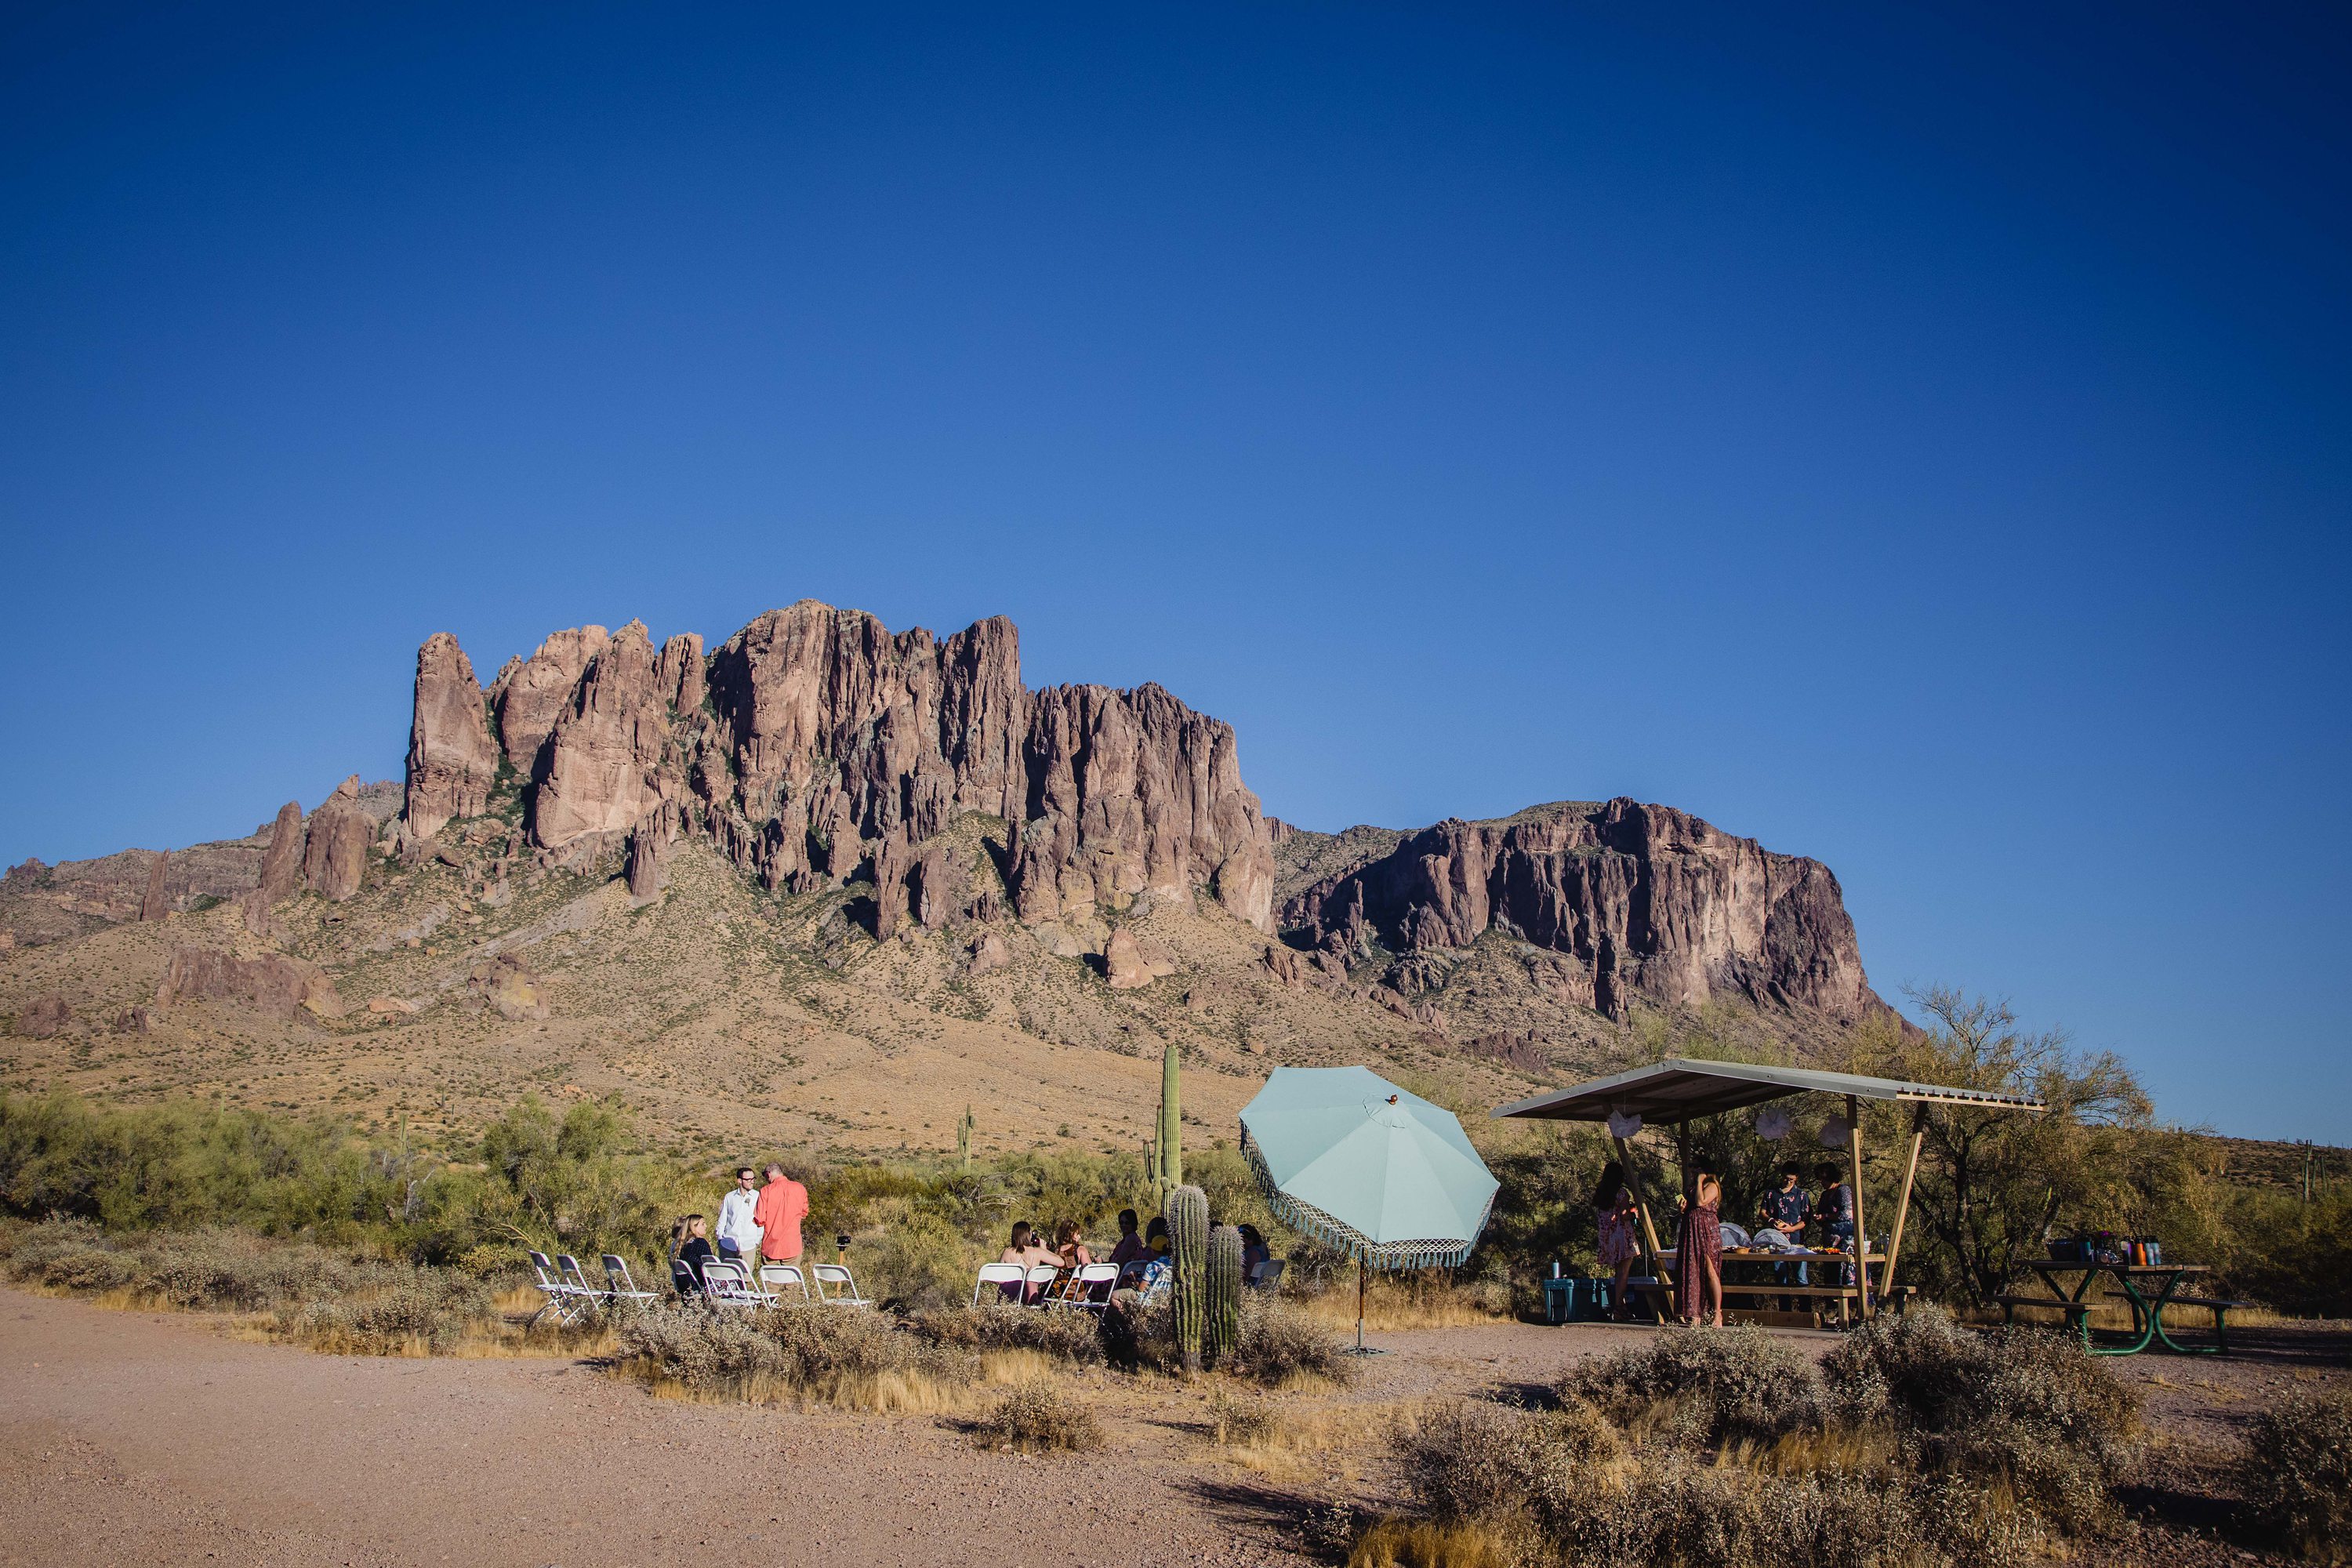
(702,1349)
(2024,1404)
(820,1342)
(66,1254)
(1720,1383)
(1038,1418)
(428,1309)
(1471,1460)
(1280,1342)
(911,1260)
(1071,1336)
(1418,1543)
(2296,1474)
(227,1271)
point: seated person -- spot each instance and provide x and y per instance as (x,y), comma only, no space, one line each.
(1071,1253)
(1155,1248)
(1130,1247)
(1784,1212)
(1024,1248)
(690,1249)
(1255,1254)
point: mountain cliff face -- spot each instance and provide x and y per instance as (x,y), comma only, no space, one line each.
(814,745)
(1640,901)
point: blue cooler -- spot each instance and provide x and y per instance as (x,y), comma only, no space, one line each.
(1575,1300)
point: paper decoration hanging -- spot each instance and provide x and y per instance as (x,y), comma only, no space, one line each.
(1835,1131)
(1772,1124)
(1623,1123)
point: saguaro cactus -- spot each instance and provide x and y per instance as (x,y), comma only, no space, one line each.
(1171,1119)
(1223,1331)
(963,1139)
(1187,1214)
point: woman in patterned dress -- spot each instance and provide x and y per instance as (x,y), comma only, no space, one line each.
(1698,1254)
(1613,1217)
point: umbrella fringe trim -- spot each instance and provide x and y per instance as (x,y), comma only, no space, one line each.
(1300,1215)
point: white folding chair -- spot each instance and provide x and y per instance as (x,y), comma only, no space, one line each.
(1039,1282)
(843,1288)
(620,1287)
(593,1297)
(727,1285)
(775,1278)
(1267,1276)
(562,1299)
(1090,1288)
(997,1274)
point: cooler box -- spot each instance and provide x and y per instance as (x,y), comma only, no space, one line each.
(1575,1300)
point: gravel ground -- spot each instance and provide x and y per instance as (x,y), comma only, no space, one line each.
(137,1437)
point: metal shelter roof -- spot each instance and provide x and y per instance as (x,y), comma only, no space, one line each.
(1678,1089)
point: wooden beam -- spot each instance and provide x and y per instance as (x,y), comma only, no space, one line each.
(1641,1207)
(1861,1233)
(1903,1203)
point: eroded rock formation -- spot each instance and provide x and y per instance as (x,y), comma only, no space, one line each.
(1640,899)
(452,761)
(271,982)
(335,854)
(815,745)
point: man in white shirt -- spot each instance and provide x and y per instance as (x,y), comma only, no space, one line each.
(739,1232)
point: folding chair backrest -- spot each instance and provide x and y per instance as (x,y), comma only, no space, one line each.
(1043,1273)
(548,1277)
(782,1276)
(723,1281)
(1269,1274)
(1091,1285)
(997,1274)
(844,1286)
(617,1271)
(575,1276)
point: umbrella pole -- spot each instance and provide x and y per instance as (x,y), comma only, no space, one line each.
(1361,1275)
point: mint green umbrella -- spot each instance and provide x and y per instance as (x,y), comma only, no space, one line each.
(1383,1175)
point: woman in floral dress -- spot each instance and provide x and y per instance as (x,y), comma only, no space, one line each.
(1613,1217)
(1698,1254)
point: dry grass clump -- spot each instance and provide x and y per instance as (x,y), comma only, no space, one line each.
(1418,1543)
(1426,1299)
(2296,1475)
(1061,1335)
(1038,1418)
(1714,1385)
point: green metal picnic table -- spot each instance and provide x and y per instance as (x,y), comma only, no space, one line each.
(2147,1308)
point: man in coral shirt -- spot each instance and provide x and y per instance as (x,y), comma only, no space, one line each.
(783,1204)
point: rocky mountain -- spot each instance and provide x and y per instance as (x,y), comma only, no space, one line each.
(854,879)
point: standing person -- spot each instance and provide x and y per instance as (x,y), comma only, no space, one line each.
(1698,1254)
(1614,1216)
(739,1231)
(783,1204)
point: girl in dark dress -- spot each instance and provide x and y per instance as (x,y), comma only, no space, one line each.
(1698,1254)
(690,1250)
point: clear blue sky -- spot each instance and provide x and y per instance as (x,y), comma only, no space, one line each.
(1917,440)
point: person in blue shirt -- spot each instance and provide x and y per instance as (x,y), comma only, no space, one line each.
(1784,1212)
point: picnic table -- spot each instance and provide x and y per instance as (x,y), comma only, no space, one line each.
(2148,1305)
(1846,1299)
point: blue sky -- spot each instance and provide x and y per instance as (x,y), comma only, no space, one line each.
(1915,439)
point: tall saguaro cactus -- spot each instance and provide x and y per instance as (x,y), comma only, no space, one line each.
(1171,1121)
(1223,1329)
(1187,1214)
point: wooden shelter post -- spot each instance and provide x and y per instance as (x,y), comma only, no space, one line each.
(1903,1203)
(1861,1232)
(1641,1207)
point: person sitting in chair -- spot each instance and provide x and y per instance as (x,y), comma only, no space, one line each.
(690,1250)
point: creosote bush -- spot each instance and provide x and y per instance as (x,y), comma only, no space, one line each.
(807,1350)
(2296,1475)
(1038,1418)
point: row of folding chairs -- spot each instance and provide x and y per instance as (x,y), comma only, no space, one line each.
(1087,1286)
(571,1297)
(726,1283)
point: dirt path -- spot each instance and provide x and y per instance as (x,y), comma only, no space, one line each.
(131,1436)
